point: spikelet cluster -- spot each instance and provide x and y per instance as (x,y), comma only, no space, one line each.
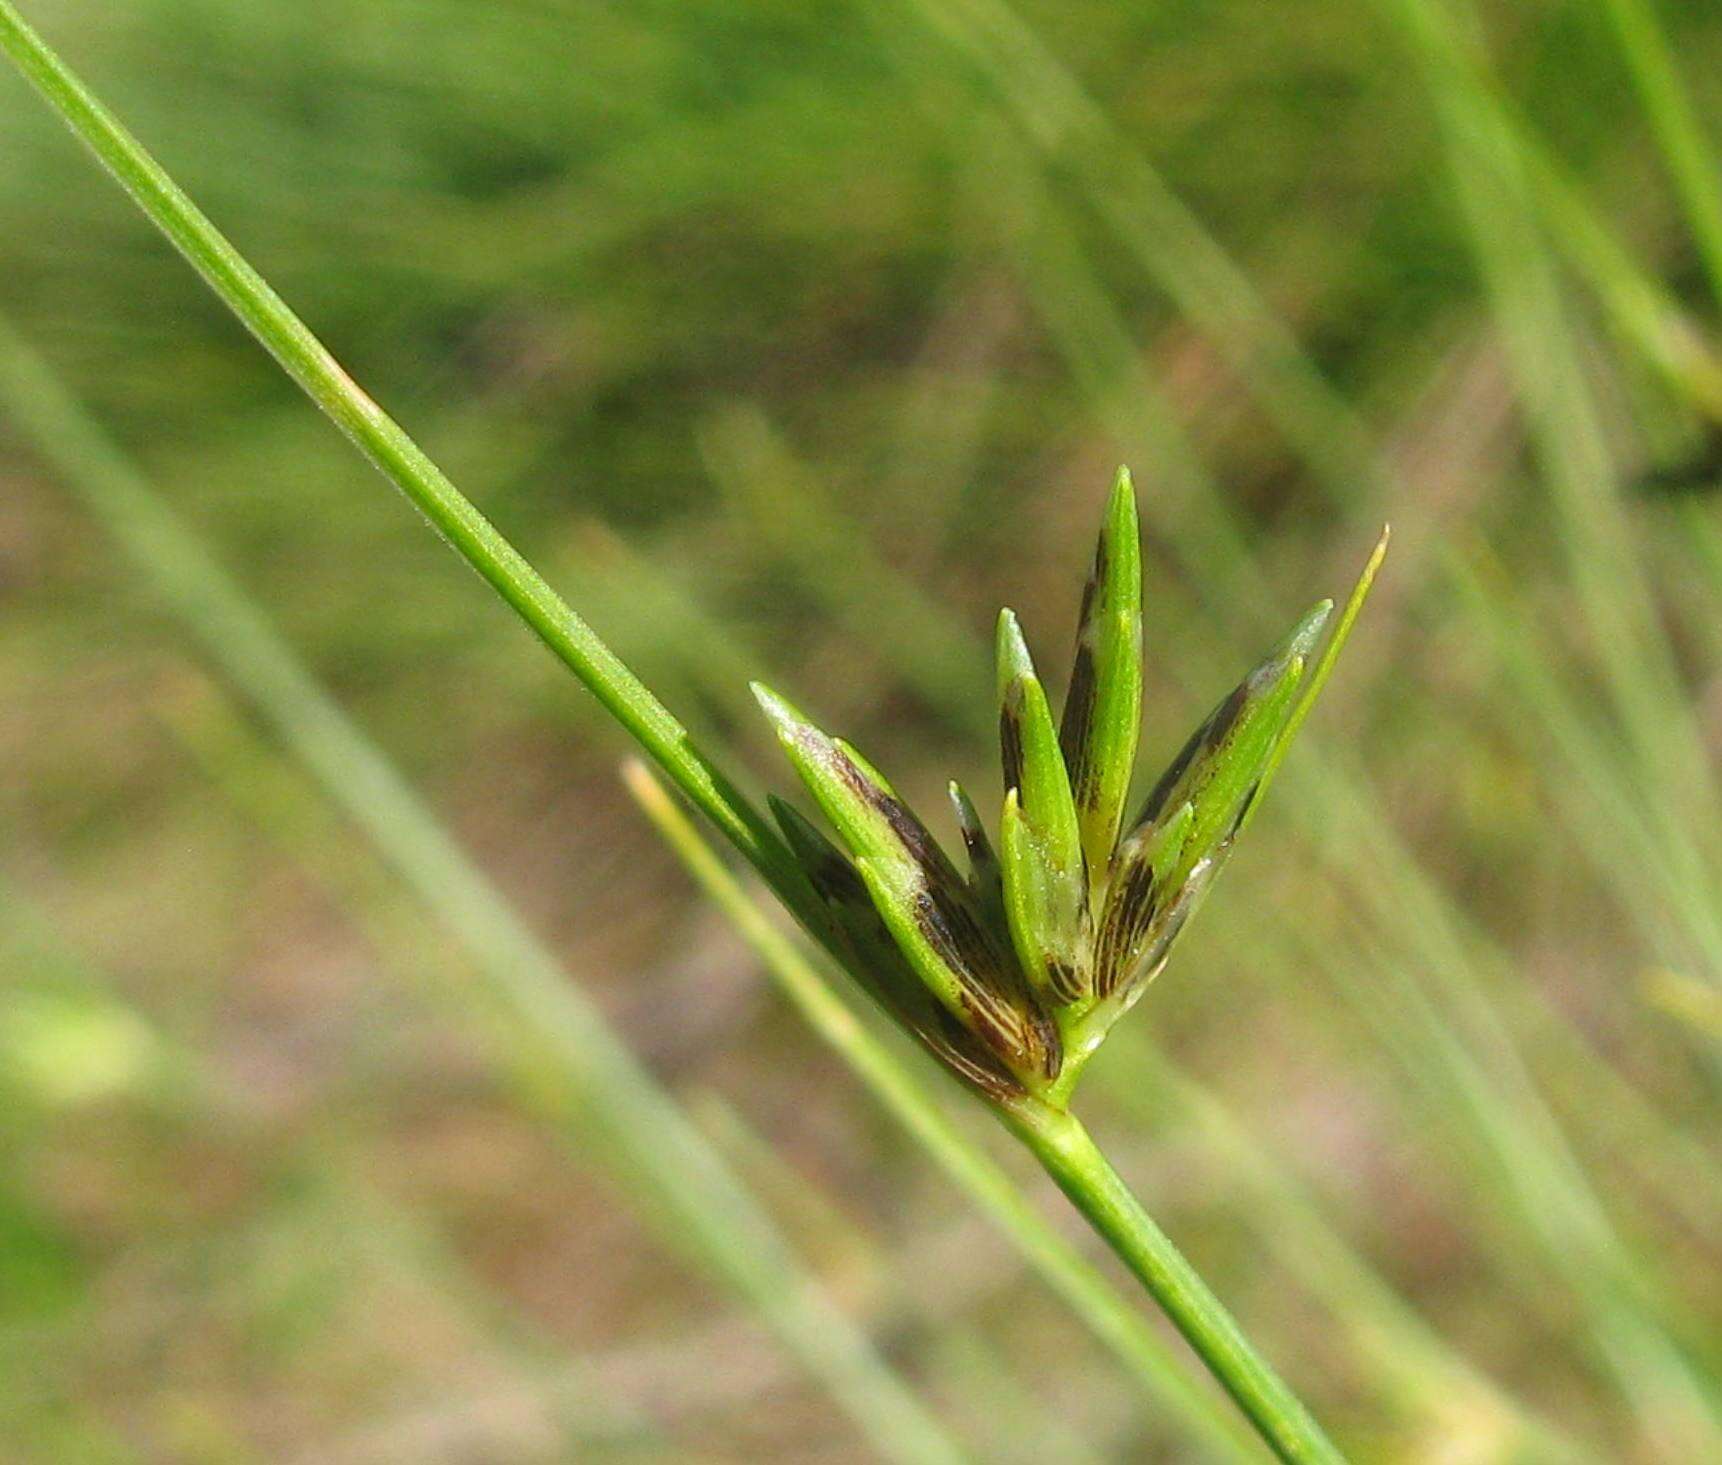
(1011,968)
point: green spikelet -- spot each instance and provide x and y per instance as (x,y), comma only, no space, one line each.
(1040,840)
(1103,708)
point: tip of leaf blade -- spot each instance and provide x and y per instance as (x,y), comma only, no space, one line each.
(1323,668)
(640,781)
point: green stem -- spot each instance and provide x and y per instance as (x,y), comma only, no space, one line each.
(1120,1326)
(1068,1152)
(386,444)
(1413,1360)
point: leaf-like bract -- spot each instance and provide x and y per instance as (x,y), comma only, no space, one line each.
(1103,708)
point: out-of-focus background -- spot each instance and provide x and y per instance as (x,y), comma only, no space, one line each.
(791,340)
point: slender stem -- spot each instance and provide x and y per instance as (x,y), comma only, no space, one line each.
(1068,1152)
(1122,1327)
(397,456)
(1411,1357)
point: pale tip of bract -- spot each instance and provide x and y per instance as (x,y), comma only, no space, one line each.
(1306,633)
(784,717)
(1014,660)
(1120,521)
(1010,836)
(1367,578)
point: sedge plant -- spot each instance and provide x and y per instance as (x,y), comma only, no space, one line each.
(782,499)
(1477,1088)
(1011,973)
(1496,1121)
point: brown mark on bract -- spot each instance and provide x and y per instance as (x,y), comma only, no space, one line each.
(1130,910)
(1073,732)
(1205,738)
(1000,1007)
(1063,979)
(969,1058)
(1010,736)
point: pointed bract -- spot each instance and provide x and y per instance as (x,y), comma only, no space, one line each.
(963,965)
(1045,875)
(1218,768)
(863,944)
(827,868)
(1103,708)
(1047,915)
(851,793)
(1323,669)
(1152,952)
(1138,898)
(986,878)
(933,916)
(1033,764)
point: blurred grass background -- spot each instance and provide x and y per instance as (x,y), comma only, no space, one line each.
(791,340)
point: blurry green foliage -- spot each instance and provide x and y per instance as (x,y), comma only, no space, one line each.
(573,246)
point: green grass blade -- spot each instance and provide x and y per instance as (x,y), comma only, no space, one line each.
(1159,230)
(1571,445)
(1692,161)
(1643,310)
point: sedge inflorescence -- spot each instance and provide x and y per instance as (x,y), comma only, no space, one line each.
(1012,970)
